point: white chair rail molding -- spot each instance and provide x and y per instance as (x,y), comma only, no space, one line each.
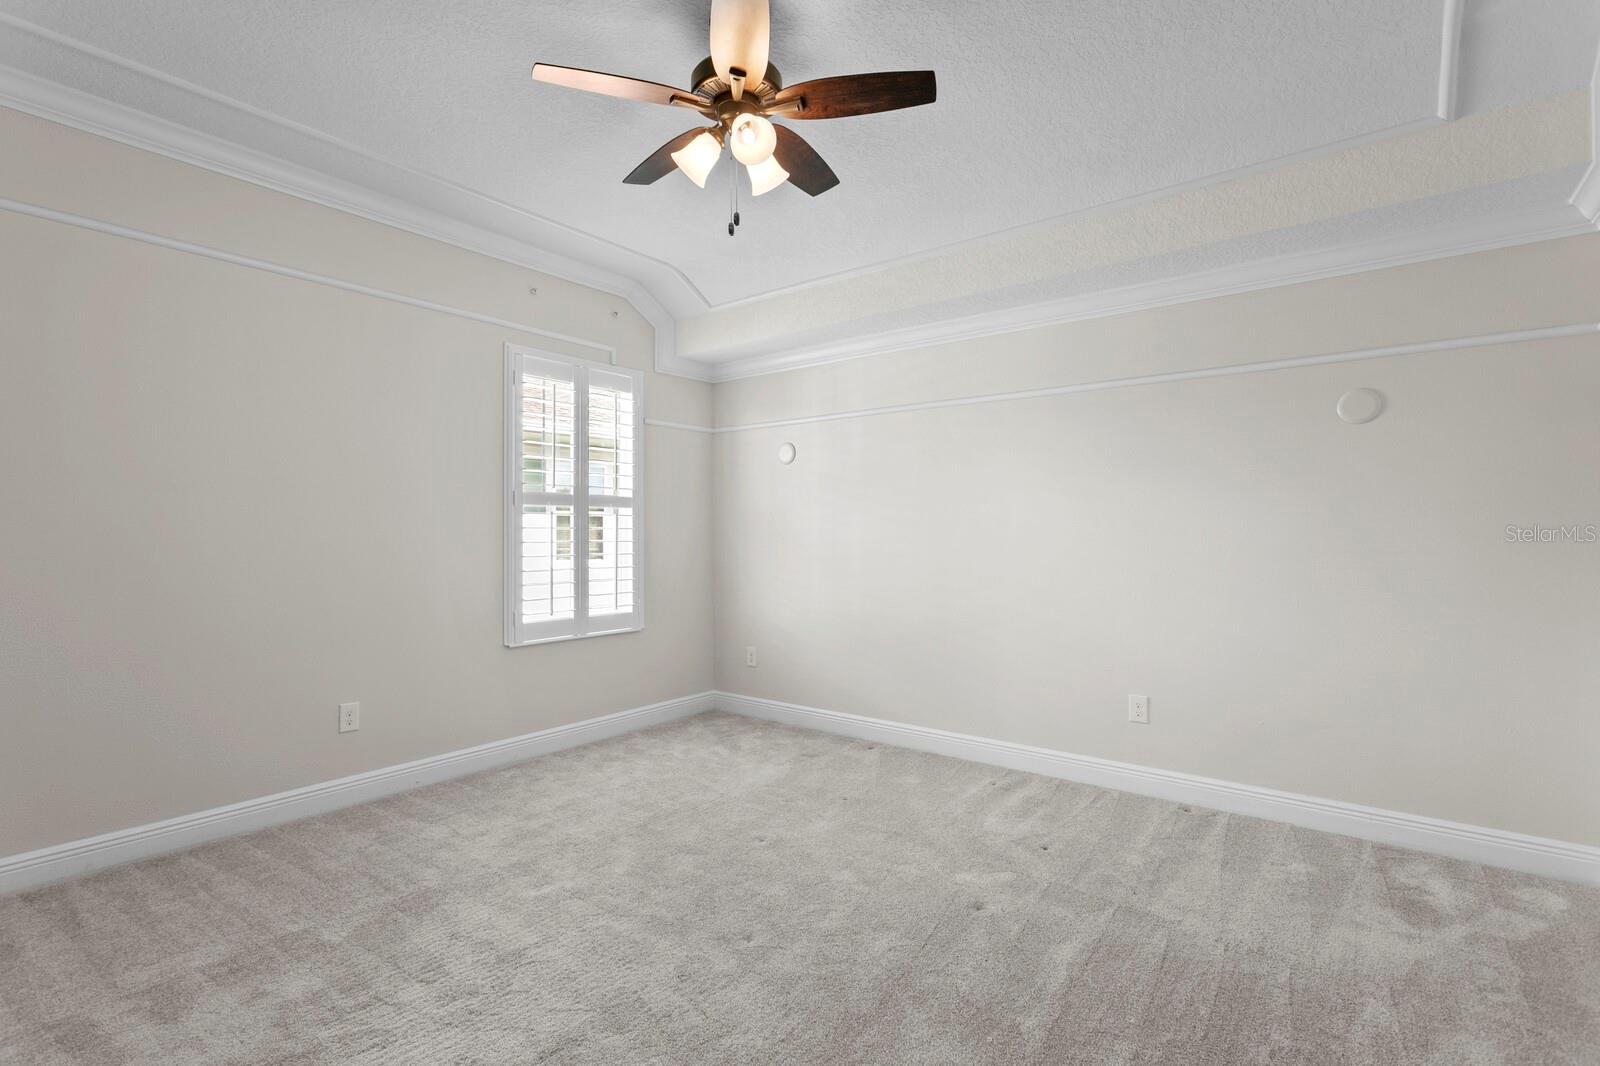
(632,533)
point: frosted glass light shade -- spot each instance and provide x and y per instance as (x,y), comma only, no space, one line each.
(698,157)
(766,176)
(752,139)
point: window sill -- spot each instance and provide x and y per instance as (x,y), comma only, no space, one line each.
(574,636)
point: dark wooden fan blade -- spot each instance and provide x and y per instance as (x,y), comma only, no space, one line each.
(593,81)
(807,171)
(856,94)
(660,163)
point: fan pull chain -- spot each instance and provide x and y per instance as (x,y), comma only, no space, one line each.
(733,193)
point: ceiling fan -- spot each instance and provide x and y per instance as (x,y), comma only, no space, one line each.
(740,92)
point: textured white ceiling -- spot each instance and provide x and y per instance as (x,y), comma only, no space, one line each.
(1047,107)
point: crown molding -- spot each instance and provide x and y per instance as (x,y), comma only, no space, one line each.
(1450,59)
(1586,197)
(1579,216)
(659,280)
(1563,220)
(67,218)
(662,295)
(1205,181)
(565,246)
(70,107)
(1444,111)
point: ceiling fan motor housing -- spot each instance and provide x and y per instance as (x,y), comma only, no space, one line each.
(706,82)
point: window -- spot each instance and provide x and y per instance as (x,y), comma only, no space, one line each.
(572,462)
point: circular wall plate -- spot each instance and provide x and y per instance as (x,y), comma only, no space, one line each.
(786,453)
(1359,406)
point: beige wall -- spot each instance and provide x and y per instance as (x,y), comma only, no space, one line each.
(1311,606)
(233,499)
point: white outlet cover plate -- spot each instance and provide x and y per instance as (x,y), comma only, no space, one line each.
(349,717)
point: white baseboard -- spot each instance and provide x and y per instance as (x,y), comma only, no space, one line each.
(1491,847)
(73,859)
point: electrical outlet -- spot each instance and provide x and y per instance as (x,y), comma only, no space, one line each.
(349,717)
(750,655)
(1139,709)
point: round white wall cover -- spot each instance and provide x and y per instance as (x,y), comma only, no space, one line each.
(1360,405)
(786,453)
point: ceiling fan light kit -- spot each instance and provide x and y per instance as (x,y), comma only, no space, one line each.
(739,90)
(766,176)
(752,139)
(697,157)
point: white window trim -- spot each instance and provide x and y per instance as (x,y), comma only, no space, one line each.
(518,635)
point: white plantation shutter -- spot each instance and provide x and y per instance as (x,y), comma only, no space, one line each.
(609,450)
(572,464)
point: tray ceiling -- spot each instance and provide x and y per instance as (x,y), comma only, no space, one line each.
(1046,110)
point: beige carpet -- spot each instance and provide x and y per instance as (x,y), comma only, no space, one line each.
(721,891)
